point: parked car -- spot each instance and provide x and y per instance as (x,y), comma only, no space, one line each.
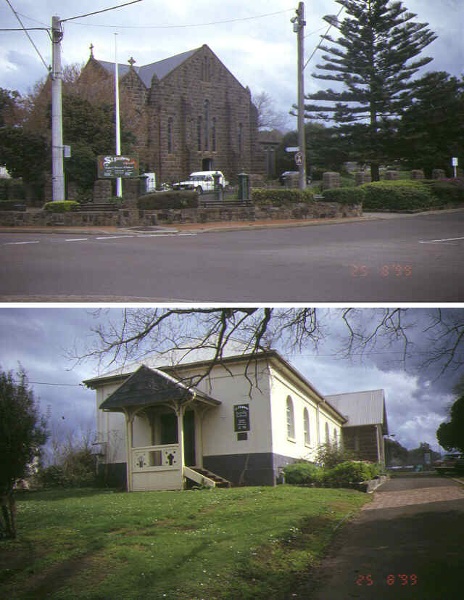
(201,181)
(450,462)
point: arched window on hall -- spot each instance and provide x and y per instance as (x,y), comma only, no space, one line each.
(240,137)
(307,432)
(327,434)
(335,438)
(213,135)
(290,419)
(170,135)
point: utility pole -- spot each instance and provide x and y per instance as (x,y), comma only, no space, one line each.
(298,27)
(57,113)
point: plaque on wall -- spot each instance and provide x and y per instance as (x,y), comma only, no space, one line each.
(242,417)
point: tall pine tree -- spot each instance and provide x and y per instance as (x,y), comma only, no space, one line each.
(373,61)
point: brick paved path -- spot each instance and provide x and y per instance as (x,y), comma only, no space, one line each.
(422,495)
(407,544)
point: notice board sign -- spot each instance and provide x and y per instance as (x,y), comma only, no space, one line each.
(113,167)
(242,417)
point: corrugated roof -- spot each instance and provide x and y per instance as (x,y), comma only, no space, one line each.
(160,68)
(361,408)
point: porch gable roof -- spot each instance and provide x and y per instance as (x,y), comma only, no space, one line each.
(149,387)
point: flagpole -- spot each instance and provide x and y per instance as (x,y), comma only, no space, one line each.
(117,117)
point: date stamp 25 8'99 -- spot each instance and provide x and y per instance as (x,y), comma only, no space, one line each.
(394,270)
(401,579)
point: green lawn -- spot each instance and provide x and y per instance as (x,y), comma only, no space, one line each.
(235,543)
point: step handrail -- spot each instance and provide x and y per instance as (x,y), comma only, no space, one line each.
(199,478)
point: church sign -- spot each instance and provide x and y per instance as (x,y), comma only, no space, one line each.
(114,167)
(242,417)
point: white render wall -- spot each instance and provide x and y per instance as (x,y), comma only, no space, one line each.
(296,447)
(231,387)
(111,428)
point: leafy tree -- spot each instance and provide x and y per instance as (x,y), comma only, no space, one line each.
(373,62)
(22,433)
(396,454)
(450,435)
(432,127)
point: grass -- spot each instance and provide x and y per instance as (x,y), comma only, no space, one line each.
(238,543)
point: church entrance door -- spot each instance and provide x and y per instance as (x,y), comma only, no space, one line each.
(207,164)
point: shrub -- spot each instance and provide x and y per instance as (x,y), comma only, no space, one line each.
(329,455)
(280,197)
(61,206)
(12,189)
(345,195)
(397,195)
(12,205)
(447,190)
(302,473)
(347,473)
(170,199)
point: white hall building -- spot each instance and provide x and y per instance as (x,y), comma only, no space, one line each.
(235,422)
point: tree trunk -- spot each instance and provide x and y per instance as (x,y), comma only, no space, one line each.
(375,171)
(8,516)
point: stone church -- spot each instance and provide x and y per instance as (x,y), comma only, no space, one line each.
(187,113)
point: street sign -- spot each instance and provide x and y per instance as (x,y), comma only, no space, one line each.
(299,158)
(292,149)
(454,162)
(118,166)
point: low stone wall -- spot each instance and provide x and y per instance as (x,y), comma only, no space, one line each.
(132,217)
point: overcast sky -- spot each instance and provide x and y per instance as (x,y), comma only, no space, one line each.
(255,40)
(40,339)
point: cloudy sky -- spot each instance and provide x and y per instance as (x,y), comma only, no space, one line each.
(255,40)
(41,338)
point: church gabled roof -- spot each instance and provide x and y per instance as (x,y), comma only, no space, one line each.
(160,68)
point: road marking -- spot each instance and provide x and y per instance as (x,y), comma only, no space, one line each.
(77,240)
(439,241)
(19,243)
(114,237)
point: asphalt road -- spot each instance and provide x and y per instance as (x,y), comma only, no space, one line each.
(406,544)
(411,258)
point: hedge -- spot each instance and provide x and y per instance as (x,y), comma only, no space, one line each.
(280,197)
(12,189)
(447,191)
(345,195)
(344,474)
(397,195)
(61,206)
(303,473)
(169,199)
(12,205)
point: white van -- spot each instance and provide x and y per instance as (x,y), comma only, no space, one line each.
(201,181)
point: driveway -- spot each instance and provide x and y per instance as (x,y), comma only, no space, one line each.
(407,543)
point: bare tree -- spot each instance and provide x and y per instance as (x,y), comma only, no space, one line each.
(268,117)
(429,338)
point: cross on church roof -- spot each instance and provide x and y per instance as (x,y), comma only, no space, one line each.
(132,62)
(91,50)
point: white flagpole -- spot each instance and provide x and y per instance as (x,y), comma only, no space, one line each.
(118,122)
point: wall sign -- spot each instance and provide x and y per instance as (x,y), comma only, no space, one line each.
(242,417)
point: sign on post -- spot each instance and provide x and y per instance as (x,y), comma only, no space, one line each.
(115,167)
(299,158)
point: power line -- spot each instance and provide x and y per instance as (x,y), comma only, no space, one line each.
(323,37)
(100,11)
(29,37)
(188,25)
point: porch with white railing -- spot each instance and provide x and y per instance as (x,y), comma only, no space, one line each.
(156,468)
